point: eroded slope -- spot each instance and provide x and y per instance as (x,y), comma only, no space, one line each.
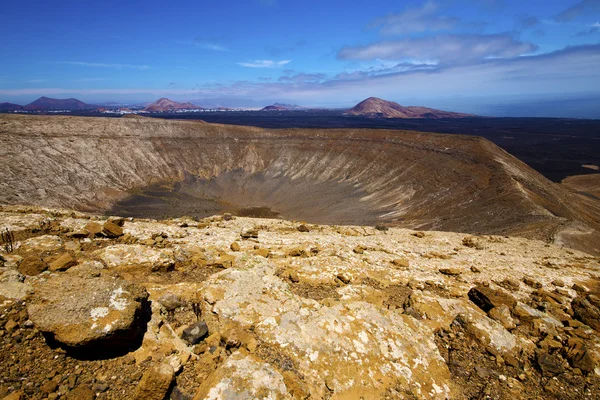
(409,179)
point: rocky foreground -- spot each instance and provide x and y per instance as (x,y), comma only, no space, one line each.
(241,308)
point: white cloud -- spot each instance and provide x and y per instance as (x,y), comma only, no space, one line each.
(412,20)
(103,65)
(35,80)
(455,49)
(264,63)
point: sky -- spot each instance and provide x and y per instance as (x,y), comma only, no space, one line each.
(487,57)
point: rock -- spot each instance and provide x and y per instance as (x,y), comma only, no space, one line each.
(420,235)
(32,265)
(532,283)
(401,263)
(549,364)
(486,298)
(303,228)
(194,333)
(558,283)
(382,228)
(337,342)
(121,255)
(227,217)
(263,252)
(346,279)
(502,315)
(493,336)
(250,234)
(296,252)
(526,313)
(170,301)
(359,250)
(244,377)
(224,261)
(18,395)
(155,383)
(81,392)
(510,284)
(79,312)
(42,244)
(475,269)
(111,230)
(49,387)
(12,286)
(62,263)
(235,246)
(11,325)
(293,275)
(119,221)
(450,271)
(587,311)
(93,229)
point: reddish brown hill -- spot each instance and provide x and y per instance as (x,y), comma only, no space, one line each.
(10,107)
(375,107)
(47,103)
(164,104)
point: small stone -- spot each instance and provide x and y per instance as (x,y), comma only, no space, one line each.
(18,395)
(401,263)
(558,283)
(579,288)
(359,250)
(112,230)
(549,364)
(62,263)
(194,333)
(235,246)
(419,234)
(155,383)
(32,265)
(49,387)
(11,325)
(227,217)
(450,271)
(296,253)
(532,283)
(293,275)
(303,228)
(81,393)
(502,315)
(93,229)
(170,301)
(486,298)
(344,278)
(475,269)
(250,234)
(381,228)
(263,252)
(119,221)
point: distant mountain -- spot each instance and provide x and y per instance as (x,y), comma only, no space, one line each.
(375,107)
(164,104)
(46,104)
(274,108)
(289,106)
(10,107)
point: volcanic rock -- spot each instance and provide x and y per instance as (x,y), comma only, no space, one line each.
(32,265)
(62,263)
(194,333)
(487,298)
(155,383)
(79,312)
(375,107)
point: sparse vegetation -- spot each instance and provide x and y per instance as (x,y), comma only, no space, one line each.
(8,240)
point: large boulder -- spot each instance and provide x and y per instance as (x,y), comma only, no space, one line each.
(346,349)
(80,312)
(243,377)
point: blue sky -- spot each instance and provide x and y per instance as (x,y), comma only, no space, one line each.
(490,57)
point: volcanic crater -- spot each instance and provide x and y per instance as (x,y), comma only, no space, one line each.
(153,168)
